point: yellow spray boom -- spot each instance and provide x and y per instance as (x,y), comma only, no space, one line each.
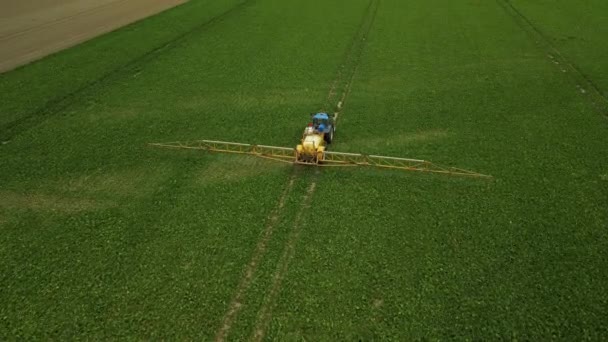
(325,159)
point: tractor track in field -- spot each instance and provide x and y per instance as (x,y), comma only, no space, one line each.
(584,84)
(342,81)
(237,301)
(349,69)
(351,59)
(53,106)
(265,312)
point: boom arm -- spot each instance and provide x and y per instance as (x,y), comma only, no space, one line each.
(287,155)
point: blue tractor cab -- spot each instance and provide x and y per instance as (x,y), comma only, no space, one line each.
(323,123)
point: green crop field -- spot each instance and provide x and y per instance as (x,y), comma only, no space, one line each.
(105,237)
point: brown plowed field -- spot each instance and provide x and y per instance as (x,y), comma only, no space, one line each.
(31,29)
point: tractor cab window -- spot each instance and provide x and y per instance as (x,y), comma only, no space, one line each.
(316,122)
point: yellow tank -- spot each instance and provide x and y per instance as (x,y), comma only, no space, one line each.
(311,148)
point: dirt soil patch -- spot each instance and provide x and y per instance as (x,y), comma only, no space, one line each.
(32,29)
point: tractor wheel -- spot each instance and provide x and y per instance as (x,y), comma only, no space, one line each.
(329,137)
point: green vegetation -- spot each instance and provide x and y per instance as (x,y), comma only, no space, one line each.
(105,237)
(577,29)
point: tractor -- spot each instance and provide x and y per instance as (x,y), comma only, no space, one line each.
(316,137)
